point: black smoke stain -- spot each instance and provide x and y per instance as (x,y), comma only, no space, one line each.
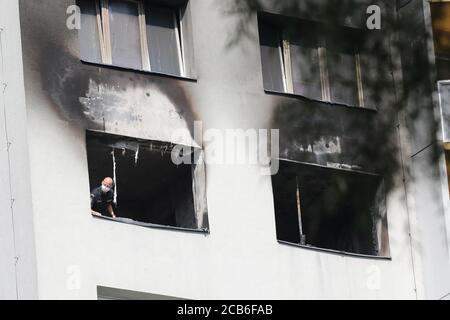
(65,79)
(50,50)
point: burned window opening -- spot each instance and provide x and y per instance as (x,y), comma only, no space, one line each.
(149,187)
(330,209)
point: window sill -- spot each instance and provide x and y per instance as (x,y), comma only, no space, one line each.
(335,252)
(298,96)
(150,225)
(161,74)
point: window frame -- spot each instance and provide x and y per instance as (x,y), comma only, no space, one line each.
(104,33)
(286,70)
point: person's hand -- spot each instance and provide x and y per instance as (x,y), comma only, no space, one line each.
(95,213)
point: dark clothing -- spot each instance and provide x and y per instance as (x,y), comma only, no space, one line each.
(100,201)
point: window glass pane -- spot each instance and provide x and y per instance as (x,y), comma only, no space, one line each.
(162,40)
(89,33)
(305,63)
(188,40)
(374,77)
(125,34)
(269,38)
(342,70)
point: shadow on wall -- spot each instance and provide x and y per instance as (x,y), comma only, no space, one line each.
(118,101)
(105,99)
(323,133)
(329,133)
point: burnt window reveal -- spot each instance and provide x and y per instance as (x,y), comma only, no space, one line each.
(148,187)
(146,35)
(311,59)
(330,209)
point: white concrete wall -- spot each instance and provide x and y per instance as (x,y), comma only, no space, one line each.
(241,258)
(17,253)
(427,180)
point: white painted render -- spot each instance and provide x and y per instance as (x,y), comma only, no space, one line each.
(240,258)
(74,253)
(17,252)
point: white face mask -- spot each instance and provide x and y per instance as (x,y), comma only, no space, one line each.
(105,189)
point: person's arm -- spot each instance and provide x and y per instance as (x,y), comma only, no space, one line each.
(111,211)
(93,212)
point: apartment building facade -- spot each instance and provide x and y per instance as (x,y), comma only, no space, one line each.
(357,207)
